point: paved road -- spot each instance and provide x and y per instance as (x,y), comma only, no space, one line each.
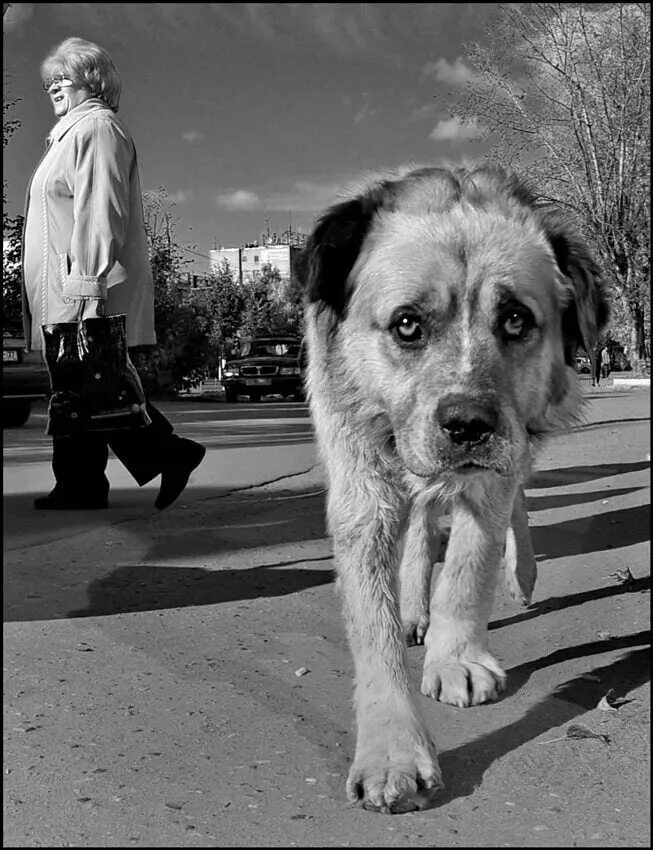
(247,444)
(215,424)
(151,695)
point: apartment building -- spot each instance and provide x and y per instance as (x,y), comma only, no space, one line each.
(247,261)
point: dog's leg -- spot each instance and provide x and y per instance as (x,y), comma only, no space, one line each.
(458,667)
(421,544)
(520,563)
(395,768)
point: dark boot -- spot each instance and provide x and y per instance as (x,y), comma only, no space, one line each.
(78,464)
(55,501)
(186,456)
(156,450)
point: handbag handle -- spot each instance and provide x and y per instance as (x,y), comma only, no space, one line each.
(101,308)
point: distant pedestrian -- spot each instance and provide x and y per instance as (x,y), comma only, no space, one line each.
(596,366)
(85,255)
(605,363)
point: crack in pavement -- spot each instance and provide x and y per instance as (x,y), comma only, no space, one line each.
(286,477)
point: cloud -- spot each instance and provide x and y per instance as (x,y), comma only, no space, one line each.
(382,30)
(291,26)
(305,195)
(365,110)
(356,27)
(457,74)
(193,137)
(240,200)
(421,113)
(300,196)
(180,197)
(453,130)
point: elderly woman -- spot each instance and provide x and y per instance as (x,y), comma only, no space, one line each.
(85,254)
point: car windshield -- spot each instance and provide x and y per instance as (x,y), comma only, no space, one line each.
(270,348)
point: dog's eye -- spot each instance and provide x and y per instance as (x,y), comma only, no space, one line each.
(517,323)
(514,325)
(407,328)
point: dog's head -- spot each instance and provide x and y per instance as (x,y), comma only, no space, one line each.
(448,305)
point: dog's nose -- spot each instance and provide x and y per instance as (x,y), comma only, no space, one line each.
(467,421)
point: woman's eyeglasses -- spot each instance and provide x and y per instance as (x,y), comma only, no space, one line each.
(60,80)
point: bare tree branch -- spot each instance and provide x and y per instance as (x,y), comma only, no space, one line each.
(564,90)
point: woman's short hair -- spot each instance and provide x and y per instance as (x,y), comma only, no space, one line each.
(88,65)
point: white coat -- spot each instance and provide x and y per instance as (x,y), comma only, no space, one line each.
(84,236)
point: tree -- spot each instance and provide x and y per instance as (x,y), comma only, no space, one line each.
(221,299)
(12,229)
(179,358)
(268,307)
(11,272)
(224,299)
(564,92)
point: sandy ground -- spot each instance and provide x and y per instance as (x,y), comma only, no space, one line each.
(150,667)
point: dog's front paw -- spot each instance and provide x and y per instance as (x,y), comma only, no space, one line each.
(471,679)
(395,772)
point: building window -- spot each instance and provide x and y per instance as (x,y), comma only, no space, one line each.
(244,258)
(256,258)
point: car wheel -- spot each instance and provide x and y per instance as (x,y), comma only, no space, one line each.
(15,413)
(255,396)
(299,395)
(230,396)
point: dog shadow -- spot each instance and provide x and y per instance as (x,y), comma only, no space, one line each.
(566,475)
(558,603)
(597,533)
(466,765)
(565,500)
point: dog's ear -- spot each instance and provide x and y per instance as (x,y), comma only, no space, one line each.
(587,311)
(324,265)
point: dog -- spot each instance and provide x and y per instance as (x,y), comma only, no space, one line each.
(443,311)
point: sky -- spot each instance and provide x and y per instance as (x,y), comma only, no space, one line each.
(254,116)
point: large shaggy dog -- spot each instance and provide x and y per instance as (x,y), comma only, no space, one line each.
(443,313)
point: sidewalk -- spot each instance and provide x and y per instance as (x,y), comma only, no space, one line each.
(153,695)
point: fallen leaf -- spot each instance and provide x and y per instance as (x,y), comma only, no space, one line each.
(623,576)
(605,703)
(578,731)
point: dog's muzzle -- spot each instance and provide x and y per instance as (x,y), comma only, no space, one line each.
(466,422)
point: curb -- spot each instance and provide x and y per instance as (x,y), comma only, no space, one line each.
(632,382)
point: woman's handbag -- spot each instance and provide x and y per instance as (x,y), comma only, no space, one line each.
(95,386)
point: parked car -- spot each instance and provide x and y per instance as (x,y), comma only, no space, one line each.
(265,365)
(583,364)
(25,379)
